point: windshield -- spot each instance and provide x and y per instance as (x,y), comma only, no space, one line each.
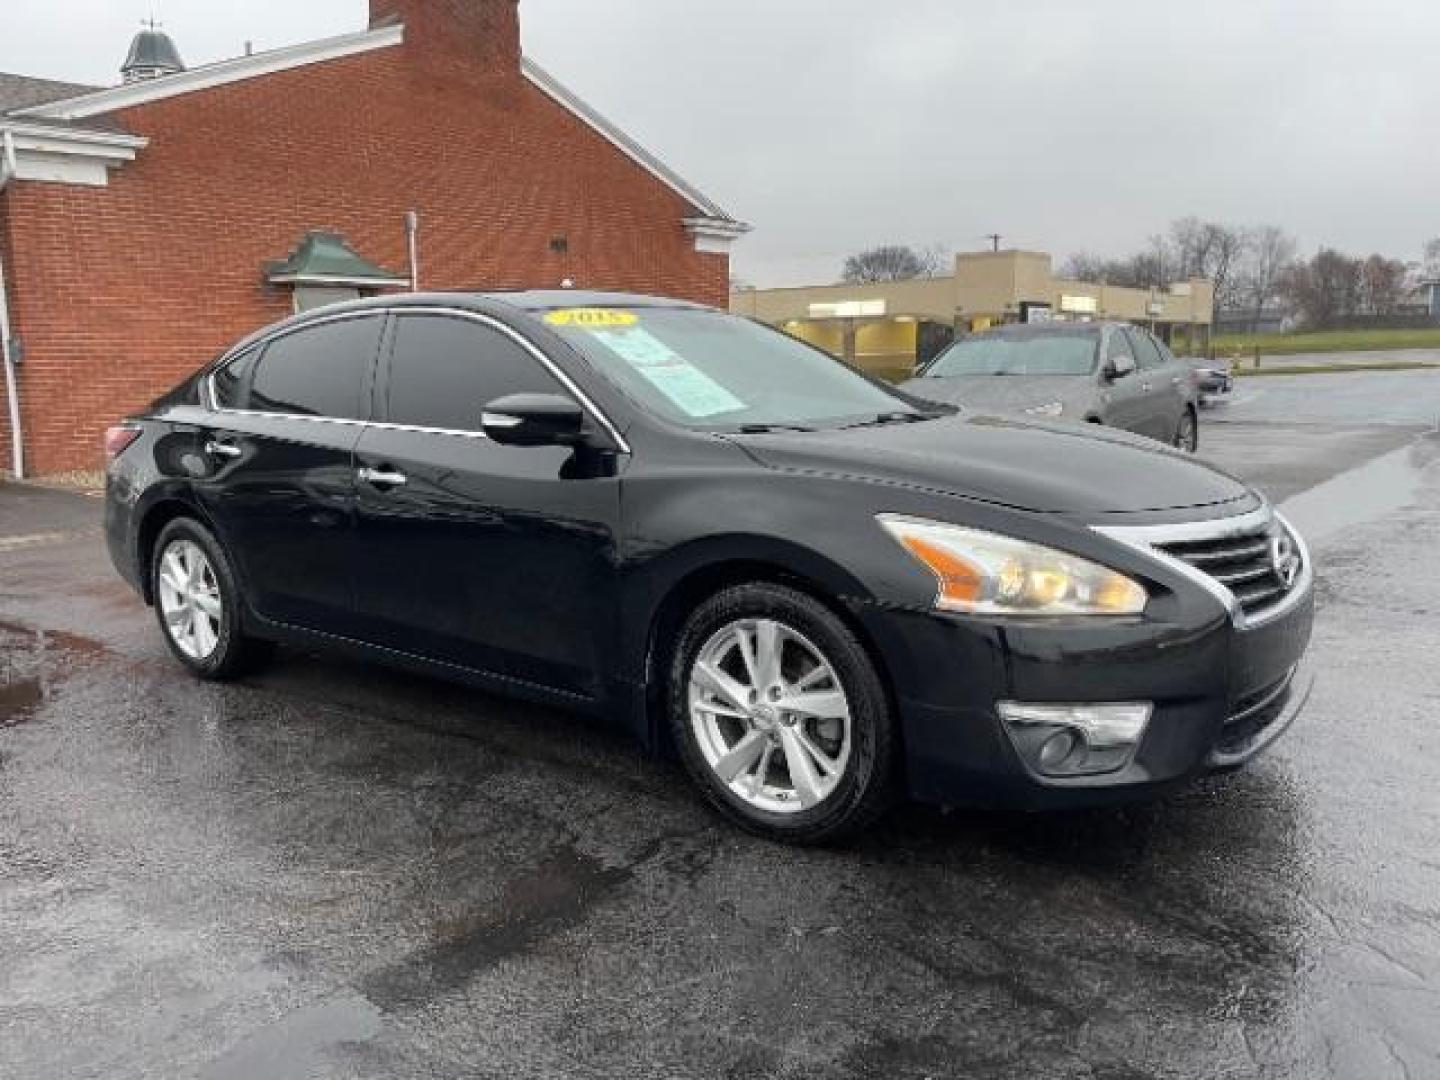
(1047,354)
(709,370)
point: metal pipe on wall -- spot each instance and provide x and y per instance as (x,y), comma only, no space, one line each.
(12,387)
(412,240)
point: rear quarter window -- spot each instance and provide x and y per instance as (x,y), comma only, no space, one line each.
(231,382)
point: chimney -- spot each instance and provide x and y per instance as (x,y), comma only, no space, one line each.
(485,33)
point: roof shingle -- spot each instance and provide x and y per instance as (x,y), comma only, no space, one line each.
(21,91)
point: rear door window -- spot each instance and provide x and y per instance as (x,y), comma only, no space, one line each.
(444,370)
(320,371)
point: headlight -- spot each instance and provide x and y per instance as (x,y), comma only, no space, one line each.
(1055,408)
(983,573)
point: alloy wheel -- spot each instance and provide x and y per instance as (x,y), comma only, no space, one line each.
(190,600)
(770,716)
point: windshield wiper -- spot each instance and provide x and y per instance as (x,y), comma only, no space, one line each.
(892,418)
(768,429)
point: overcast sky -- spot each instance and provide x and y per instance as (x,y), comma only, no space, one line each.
(835,124)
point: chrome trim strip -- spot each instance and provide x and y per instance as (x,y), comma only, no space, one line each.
(415,430)
(1190,531)
(1268,700)
(252,414)
(1301,686)
(560,376)
(1143,538)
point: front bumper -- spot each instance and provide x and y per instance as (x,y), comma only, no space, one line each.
(1222,695)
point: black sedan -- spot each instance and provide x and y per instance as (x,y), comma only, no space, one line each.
(1096,373)
(818,591)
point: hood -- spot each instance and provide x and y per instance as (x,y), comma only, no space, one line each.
(1007,393)
(1028,465)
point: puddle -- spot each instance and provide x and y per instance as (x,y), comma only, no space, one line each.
(19,701)
(1380,487)
(292,1047)
(28,662)
(553,896)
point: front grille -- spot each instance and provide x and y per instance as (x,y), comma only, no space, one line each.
(1259,566)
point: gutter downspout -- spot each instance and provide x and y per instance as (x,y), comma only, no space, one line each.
(8,169)
(412,243)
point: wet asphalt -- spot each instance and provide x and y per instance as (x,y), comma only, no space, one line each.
(334,870)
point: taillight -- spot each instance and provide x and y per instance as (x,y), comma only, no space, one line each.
(118,440)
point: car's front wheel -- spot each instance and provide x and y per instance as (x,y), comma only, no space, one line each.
(197,602)
(780,715)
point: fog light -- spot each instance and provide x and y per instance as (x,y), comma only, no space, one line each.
(1076,740)
(1056,750)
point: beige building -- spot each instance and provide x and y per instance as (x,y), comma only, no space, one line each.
(887,328)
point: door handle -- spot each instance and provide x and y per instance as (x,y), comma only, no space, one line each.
(383,478)
(216,448)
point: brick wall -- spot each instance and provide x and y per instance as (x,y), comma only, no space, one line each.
(119,292)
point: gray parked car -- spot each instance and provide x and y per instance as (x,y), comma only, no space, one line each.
(1099,373)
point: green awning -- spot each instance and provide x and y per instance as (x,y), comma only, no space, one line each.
(324,258)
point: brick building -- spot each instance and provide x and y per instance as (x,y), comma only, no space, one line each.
(145,226)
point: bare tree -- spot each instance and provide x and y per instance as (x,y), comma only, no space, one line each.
(1190,242)
(1192,249)
(1133,272)
(1210,250)
(1326,290)
(1083,266)
(1382,286)
(892,262)
(935,260)
(1270,253)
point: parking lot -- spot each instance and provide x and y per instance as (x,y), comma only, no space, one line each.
(338,871)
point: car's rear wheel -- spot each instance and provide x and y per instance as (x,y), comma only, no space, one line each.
(1187,438)
(780,715)
(197,603)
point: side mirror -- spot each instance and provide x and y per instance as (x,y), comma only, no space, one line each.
(534,420)
(1117,367)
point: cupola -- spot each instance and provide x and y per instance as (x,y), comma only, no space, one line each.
(152,55)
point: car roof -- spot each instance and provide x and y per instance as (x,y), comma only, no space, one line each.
(526,302)
(1050,328)
(523,303)
(551,299)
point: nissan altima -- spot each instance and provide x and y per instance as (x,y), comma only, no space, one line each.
(1093,373)
(818,592)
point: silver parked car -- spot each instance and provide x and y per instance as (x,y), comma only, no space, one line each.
(1100,373)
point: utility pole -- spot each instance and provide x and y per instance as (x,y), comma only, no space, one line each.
(994,239)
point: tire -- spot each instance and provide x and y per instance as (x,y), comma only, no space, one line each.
(206,636)
(847,744)
(1187,438)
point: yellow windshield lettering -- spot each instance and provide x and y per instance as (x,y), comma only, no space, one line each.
(592,318)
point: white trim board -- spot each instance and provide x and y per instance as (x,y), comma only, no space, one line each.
(211,75)
(65,155)
(714,236)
